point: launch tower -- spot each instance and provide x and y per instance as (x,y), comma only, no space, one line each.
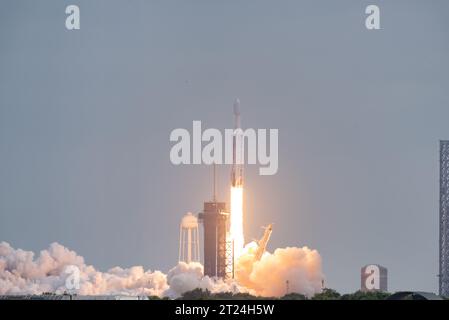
(444,219)
(214,218)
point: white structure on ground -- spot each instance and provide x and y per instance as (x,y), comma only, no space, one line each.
(189,244)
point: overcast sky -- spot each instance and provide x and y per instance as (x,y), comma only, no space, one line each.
(85,119)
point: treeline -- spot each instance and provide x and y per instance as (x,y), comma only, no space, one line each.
(326,294)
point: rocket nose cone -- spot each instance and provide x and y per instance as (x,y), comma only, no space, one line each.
(237,107)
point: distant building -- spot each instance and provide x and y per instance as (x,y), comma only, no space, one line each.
(374,278)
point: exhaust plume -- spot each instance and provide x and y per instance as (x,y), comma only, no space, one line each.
(23,273)
(268,277)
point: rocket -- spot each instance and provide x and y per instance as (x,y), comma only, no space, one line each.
(237,149)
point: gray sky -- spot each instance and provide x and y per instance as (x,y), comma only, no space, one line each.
(85,118)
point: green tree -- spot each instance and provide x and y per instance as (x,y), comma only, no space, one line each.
(246,296)
(196,294)
(158,298)
(224,296)
(233,296)
(371,295)
(327,294)
(294,296)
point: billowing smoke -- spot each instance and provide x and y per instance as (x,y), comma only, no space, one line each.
(185,277)
(23,273)
(268,277)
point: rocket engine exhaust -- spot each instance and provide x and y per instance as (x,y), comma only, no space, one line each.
(236,225)
(237,149)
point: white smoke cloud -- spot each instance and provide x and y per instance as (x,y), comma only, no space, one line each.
(23,273)
(186,277)
(20,273)
(268,277)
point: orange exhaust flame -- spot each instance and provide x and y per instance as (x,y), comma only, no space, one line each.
(236,227)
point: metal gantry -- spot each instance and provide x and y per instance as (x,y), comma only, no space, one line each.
(230,259)
(444,219)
